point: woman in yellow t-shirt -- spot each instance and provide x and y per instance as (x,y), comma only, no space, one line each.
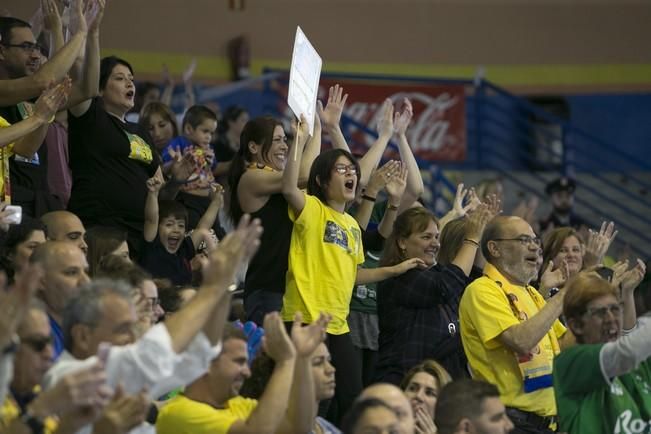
(325,252)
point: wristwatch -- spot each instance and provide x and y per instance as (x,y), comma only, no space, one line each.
(12,346)
(34,423)
(553,291)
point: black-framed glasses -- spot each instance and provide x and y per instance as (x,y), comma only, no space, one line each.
(342,169)
(37,344)
(525,240)
(600,312)
(27,46)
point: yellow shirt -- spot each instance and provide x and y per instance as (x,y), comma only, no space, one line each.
(10,411)
(182,415)
(324,253)
(5,153)
(484,313)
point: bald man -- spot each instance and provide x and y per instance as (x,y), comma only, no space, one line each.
(394,398)
(65,270)
(65,226)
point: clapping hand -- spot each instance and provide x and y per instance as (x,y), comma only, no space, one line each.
(598,243)
(307,338)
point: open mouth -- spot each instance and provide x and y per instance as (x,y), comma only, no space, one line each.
(531,259)
(173,242)
(130,94)
(350,185)
(611,334)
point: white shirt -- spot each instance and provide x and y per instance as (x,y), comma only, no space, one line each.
(150,362)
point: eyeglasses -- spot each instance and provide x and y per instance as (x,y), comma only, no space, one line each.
(26,46)
(600,312)
(342,169)
(525,240)
(37,344)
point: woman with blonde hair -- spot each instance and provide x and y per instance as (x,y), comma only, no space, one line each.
(421,386)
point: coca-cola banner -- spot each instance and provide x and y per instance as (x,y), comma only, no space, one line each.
(438,129)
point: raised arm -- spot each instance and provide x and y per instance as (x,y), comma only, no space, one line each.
(154,185)
(477,221)
(219,273)
(216,201)
(627,280)
(395,191)
(294,196)
(377,182)
(331,116)
(311,151)
(302,404)
(22,89)
(273,404)
(87,86)
(52,25)
(168,87)
(415,187)
(44,110)
(372,158)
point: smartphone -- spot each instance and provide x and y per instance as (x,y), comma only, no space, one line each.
(15,216)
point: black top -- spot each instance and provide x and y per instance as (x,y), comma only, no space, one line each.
(28,177)
(163,264)
(111,161)
(558,221)
(268,267)
(418,314)
(223,151)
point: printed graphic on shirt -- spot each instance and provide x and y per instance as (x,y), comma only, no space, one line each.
(140,150)
(335,234)
(34,160)
(627,424)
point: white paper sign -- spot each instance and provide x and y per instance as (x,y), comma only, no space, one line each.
(304,79)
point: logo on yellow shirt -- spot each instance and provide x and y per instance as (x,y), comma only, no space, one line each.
(140,150)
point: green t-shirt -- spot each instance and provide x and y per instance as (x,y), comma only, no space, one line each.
(588,404)
(364,297)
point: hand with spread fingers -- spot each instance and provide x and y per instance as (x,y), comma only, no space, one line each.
(628,279)
(598,243)
(396,186)
(401,120)
(307,338)
(385,121)
(331,115)
(276,343)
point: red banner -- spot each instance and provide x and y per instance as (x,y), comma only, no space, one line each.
(438,129)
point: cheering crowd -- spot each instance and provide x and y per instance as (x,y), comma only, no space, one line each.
(127,246)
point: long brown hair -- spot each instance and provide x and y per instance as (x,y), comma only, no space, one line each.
(431,367)
(451,239)
(411,221)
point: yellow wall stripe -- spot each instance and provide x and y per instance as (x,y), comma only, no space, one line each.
(149,64)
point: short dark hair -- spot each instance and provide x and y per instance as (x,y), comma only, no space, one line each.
(230,115)
(117,268)
(321,172)
(196,115)
(233,332)
(106,68)
(102,241)
(172,208)
(461,399)
(358,409)
(7,24)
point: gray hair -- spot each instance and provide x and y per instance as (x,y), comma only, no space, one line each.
(86,307)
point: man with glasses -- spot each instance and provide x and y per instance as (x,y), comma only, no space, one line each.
(510,335)
(602,384)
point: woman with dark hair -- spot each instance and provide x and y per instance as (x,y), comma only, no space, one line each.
(255,181)
(451,241)
(19,243)
(418,310)
(371,415)
(421,386)
(325,252)
(159,120)
(111,159)
(103,241)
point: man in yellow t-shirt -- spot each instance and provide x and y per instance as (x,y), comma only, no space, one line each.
(212,404)
(509,334)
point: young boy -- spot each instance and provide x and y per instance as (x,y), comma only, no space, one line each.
(199,126)
(168,251)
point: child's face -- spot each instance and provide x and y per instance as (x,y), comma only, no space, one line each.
(171,232)
(341,187)
(203,134)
